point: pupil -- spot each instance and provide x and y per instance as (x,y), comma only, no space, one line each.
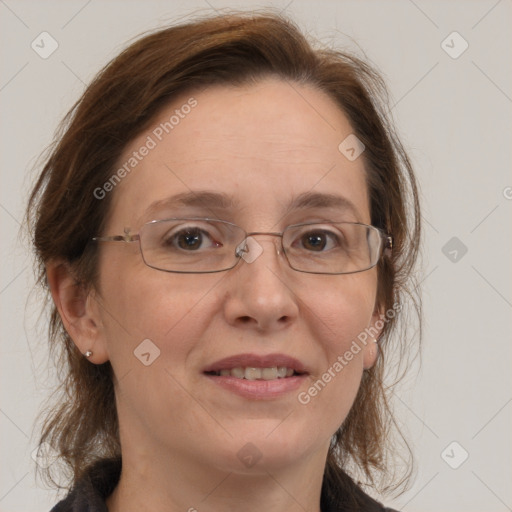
(315,241)
(189,240)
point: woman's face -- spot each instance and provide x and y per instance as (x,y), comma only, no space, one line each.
(262,145)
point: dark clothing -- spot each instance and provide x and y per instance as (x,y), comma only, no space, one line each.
(90,493)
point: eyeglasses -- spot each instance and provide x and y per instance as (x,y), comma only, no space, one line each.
(203,245)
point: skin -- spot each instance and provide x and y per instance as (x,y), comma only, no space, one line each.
(180,435)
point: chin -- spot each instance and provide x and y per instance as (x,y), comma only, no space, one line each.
(262,446)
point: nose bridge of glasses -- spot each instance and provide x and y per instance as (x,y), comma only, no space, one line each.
(254,246)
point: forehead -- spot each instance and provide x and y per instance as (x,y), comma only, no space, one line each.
(261,146)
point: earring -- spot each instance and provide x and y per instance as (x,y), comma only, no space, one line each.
(88,353)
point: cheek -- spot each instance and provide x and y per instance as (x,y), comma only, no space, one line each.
(343,311)
(170,312)
(166,309)
(340,316)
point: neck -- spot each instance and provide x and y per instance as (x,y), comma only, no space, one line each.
(174,483)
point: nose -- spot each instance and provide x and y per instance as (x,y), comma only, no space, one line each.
(259,294)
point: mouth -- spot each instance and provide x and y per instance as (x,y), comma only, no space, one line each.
(258,377)
(255,373)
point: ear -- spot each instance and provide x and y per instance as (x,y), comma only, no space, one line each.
(374,330)
(79,311)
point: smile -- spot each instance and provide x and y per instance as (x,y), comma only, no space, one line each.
(252,373)
(258,377)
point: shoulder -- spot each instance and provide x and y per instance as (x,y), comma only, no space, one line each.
(91,491)
(341,494)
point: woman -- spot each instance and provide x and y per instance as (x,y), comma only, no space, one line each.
(225,229)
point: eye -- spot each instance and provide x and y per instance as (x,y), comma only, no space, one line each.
(190,239)
(319,240)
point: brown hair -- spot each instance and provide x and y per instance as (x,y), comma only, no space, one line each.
(63,212)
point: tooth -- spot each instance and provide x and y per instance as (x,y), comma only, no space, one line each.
(281,372)
(238,372)
(252,373)
(269,373)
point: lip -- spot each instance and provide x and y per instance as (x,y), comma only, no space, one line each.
(258,389)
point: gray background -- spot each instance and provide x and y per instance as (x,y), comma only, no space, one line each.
(454,118)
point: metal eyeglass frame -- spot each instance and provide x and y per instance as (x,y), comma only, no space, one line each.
(386,247)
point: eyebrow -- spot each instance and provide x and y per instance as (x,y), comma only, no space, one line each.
(217,201)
